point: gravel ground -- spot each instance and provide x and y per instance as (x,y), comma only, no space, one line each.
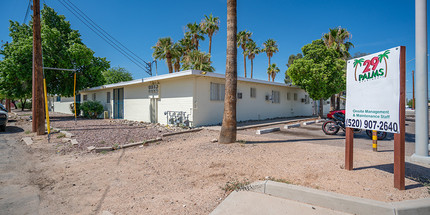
(184,174)
(106,132)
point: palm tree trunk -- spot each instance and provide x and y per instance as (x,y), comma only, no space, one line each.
(210,45)
(169,64)
(268,79)
(273,77)
(252,66)
(268,67)
(228,128)
(244,62)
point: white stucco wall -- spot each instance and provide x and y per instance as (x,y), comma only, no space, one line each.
(208,112)
(62,106)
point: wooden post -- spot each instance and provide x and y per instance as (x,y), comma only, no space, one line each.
(38,123)
(413,90)
(349,146)
(399,139)
(375,140)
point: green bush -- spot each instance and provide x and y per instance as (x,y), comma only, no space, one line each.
(78,108)
(27,105)
(91,109)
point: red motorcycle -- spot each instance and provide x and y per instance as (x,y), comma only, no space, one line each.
(337,121)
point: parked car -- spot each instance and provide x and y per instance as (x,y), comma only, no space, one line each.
(3,118)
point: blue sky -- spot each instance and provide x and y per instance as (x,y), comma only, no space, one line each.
(374,25)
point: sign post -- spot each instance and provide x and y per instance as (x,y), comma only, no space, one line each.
(375,90)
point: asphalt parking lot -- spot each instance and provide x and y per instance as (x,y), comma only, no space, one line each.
(313,134)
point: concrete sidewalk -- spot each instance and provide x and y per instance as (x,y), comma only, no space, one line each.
(269,197)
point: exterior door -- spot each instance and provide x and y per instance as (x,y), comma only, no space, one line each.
(153,106)
(118,103)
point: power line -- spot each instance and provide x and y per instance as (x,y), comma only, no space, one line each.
(27,12)
(95,28)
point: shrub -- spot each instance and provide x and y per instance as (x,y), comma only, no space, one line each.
(27,105)
(78,108)
(91,109)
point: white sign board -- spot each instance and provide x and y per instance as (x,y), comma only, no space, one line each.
(373,91)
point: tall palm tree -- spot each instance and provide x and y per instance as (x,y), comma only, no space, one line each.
(210,25)
(229,124)
(196,34)
(336,39)
(177,52)
(242,39)
(272,70)
(186,44)
(197,60)
(270,47)
(251,51)
(163,50)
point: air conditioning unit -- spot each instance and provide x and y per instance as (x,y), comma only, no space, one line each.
(303,100)
(268,97)
(239,95)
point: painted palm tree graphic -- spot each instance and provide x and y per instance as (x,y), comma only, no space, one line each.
(385,57)
(356,62)
(380,57)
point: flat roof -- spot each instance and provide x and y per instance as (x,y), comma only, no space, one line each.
(182,74)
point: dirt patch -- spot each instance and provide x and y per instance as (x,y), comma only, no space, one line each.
(185,174)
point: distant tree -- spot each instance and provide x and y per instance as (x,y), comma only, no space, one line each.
(163,51)
(291,60)
(177,54)
(116,75)
(272,71)
(243,38)
(320,72)
(62,48)
(251,51)
(186,44)
(210,26)
(336,39)
(195,33)
(270,47)
(197,60)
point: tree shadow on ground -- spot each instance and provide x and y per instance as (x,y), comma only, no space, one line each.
(413,172)
(292,141)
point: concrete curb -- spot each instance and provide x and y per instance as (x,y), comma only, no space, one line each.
(309,122)
(111,148)
(340,202)
(292,126)
(267,130)
(182,132)
(274,123)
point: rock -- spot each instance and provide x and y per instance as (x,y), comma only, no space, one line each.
(27,140)
(90,148)
(74,142)
(214,140)
(106,213)
(65,140)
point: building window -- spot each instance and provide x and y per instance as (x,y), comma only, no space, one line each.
(85,98)
(253,92)
(108,97)
(58,98)
(295,96)
(275,96)
(217,92)
(288,96)
(239,95)
(94,97)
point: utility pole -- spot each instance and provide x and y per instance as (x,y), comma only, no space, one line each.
(413,90)
(38,123)
(421,65)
